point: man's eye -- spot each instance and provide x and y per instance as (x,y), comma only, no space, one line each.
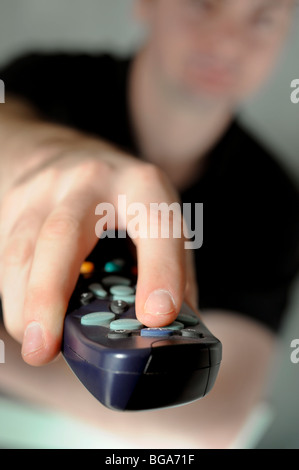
(265,20)
(204,4)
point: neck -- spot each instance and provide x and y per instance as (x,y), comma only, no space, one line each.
(170,130)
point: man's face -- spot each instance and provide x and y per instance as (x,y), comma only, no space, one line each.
(215,49)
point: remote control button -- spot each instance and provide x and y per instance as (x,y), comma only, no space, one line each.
(98,290)
(97,318)
(87,268)
(134,270)
(156,332)
(175,326)
(129,299)
(118,306)
(188,320)
(192,334)
(122,290)
(86,298)
(116,280)
(126,324)
(118,334)
(114,266)
(119,261)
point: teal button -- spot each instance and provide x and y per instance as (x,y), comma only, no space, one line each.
(98,290)
(188,320)
(130,299)
(113,267)
(175,326)
(126,324)
(97,318)
(122,290)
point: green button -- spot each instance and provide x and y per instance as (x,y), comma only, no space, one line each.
(126,324)
(188,320)
(122,290)
(97,318)
(175,326)
(98,290)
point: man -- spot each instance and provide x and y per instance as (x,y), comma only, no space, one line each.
(78,130)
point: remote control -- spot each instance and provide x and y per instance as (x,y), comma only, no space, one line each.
(124,364)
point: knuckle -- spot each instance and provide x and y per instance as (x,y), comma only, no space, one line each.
(59,225)
(91,169)
(96,165)
(49,174)
(146,174)
(150,177)
(153,174)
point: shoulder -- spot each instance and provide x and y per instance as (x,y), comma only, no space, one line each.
(77,89)
(62,66)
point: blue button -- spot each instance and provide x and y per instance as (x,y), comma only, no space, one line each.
(97,318)
(125,324)
(188,320)
(156,332)
(122,290)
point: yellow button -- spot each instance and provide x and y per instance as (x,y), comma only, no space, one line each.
(87,268)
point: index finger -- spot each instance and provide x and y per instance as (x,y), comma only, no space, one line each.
(160,242)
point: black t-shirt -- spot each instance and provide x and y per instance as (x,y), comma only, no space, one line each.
(250,251)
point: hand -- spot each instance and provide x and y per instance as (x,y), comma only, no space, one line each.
(47,225)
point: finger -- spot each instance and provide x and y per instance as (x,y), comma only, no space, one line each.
(66,237)
(160,246)
(17,249)
(161,281)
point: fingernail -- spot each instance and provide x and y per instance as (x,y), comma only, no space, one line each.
(33,339)
(159,302)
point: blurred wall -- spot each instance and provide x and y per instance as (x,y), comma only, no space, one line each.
(94,24)
(71,24)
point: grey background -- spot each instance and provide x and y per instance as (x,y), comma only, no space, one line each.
(108,24)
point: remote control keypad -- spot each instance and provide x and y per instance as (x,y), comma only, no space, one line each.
(119,291)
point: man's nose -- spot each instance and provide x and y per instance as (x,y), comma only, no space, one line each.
(225,39)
